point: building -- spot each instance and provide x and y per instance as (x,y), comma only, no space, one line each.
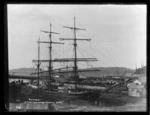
(136,89)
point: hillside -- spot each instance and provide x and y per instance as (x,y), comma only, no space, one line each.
(108,71)
(104,71)
(141,71)
(22,71)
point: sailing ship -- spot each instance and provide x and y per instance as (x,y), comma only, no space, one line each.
(52,92)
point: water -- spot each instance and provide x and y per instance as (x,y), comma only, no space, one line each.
(79,105)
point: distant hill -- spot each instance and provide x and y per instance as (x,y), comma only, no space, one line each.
(22,71)
(109,71)
(104,71)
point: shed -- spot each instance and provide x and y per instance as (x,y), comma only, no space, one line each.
(135,89)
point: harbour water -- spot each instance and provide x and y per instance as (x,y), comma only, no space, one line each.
(78,105)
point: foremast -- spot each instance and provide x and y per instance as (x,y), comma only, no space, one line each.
(50,52)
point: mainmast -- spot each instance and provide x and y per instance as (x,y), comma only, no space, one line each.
(75,49)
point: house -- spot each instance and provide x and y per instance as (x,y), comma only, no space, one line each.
(136,89)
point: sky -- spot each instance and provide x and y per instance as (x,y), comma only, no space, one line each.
(117,33)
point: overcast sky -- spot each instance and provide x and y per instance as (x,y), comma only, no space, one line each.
(118,33)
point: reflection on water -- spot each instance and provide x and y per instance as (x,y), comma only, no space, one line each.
(81,105)
(78,105)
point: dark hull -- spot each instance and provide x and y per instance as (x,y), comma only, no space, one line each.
(56,96)
(26,93)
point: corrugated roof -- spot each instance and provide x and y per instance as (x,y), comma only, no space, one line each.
(135,86)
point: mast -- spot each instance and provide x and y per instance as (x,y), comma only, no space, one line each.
(75,52)
(38,65)
(74,28)
(50,55)
(50,52)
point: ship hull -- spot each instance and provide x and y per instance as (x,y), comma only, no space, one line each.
(24,93)
(57,96)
